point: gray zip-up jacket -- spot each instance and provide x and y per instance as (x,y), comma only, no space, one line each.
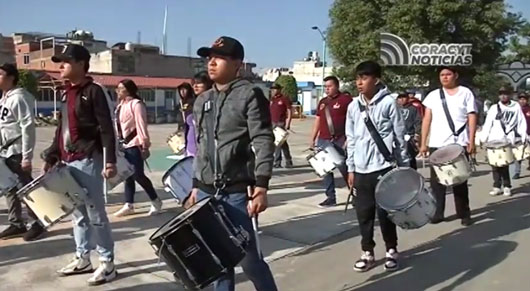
(244,121)
(363,155)
(17,120)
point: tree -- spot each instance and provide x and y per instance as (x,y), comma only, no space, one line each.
(289,87)
(357,24)
(28,81)
(519,48)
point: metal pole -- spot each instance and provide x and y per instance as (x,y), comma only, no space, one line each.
(323,62)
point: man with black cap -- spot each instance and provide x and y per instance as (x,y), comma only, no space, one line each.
(450,115)
(85,129)
(281,117)
(411,117)
(231,118)
(17,128)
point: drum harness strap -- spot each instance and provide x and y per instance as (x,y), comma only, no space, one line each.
(121,139)
(329,121)
(375,134)
(448,116)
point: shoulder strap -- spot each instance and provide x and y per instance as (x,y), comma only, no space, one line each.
(329,120)
(499,118)
(375,134)
(456,133)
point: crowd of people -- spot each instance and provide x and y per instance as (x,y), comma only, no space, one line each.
(228,126)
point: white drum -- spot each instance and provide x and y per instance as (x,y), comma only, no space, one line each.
(53,196)
(8,179)
(324,161)
(500,153)
(124,170)
(402,193)
(521,151)
(451,165)
(178,180)
(177,142)
(280,135)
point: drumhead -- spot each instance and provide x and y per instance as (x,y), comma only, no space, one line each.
(398,188)
(179,162)
(169,226)
(446,154)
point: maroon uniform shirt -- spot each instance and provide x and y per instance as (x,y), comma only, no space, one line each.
(279,106)
(338,108)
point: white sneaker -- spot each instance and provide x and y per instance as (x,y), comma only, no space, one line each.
(365,263)
(78,265)
(507,192)
(127,209)
(156,207)
(106,272)
(495,191)
(391,263)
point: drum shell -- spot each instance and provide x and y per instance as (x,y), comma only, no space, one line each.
(280,136)
(452,172)
(8,179)
(178,180)
(324,161)
(53,196)
(500,156)
(417,214)
(199,245)
(521,151)
(124,170)
(177,142)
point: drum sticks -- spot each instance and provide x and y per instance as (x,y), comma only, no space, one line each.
(255,225)
(105,190)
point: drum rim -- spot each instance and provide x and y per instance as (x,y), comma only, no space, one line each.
(462,151)
(405,205)
(172,167)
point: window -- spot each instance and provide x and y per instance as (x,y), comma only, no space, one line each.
(170,94)
(26,59)
(45,95)
(148,95)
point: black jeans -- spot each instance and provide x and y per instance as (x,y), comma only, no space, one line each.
(14,204)
(411,150)
(460,193)
(134,156)
(366,208)
(283,149)
(501,177)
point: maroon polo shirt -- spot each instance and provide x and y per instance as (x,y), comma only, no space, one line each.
(526,112)
(71,96)
(279,106)
(338,108)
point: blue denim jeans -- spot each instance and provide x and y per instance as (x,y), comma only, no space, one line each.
(91,224)
(134,157)
(256,269)
(329,180)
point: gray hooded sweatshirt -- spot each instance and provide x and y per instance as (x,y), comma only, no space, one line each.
(17,119)
(363,155)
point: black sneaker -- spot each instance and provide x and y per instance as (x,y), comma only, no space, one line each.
(289,165)
(277,166)
(35,232)
(436,220)
(365,263)
(466,221)
(327,203)
(12,231)
(516,176)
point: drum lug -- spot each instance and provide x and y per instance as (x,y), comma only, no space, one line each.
(47,219)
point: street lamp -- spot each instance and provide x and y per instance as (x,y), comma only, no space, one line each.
(324,39)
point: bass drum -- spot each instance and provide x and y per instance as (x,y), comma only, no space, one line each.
(178,180)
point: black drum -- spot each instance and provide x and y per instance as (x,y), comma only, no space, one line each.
(200,244)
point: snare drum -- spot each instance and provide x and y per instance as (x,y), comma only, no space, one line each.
(324,161)
(521,151)
(177,142)
(53,196)
(8,179)
(124,170)
(500,153)
(280,135)
(451,165)
(200,244)
(402,193)
(178,180)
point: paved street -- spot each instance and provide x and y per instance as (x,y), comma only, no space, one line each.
(308,248)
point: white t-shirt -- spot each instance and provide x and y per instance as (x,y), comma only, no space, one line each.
(459,105)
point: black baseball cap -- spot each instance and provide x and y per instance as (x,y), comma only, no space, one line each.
(10,69)
(276,86)
(224,46)
(505,90)
(523,95)
(72,52)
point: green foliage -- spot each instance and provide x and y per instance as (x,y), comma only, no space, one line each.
(356,25)
(289,87)
(28,81)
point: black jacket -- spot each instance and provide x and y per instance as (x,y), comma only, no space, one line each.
(244,122)
(94,121)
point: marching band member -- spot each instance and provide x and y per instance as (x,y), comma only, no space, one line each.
(231,117)
(17,125)
(281,117)
(461,130)
(504,122)
(412,119)
(85,129)
(201,84)
(523,102)
(367,159)
(131,125)
(328,130)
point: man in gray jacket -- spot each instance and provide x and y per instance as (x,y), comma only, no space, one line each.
(412,120)
(231,118)
(366,163)
(17,130)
